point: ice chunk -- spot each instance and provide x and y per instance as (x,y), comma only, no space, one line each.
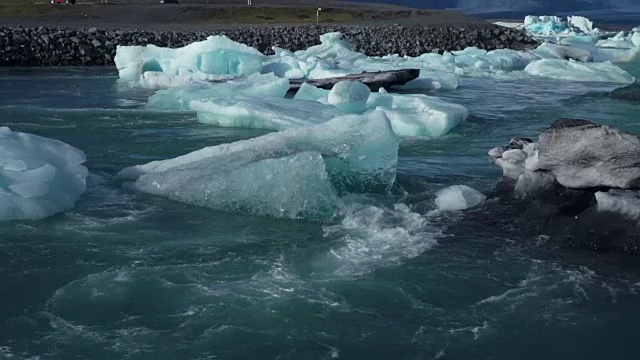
(216,55)
(293,187)
(554,51)
(257,85)
(349,96)
(574,26)
(310,92)
(38,176)
(332,47)
(263,112)
(635,38)
(577,71)
(418,115)
(458,197)
(624,202)
(629,62)
(360,152)
(544,25)
(410,114)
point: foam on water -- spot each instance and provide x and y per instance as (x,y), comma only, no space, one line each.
(370,237)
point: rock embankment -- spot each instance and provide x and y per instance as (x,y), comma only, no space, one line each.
(44,46)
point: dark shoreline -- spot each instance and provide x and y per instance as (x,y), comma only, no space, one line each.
(55,46)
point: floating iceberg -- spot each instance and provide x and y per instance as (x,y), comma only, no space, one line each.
(360,153)
(573,26)
(458,197)
(418,115)
(555,51)
(333,57)
(629,62)
(252,85)
(410,115)
(263,112)
(217,55)
(349,96)
(619,41)
(581,72)
(38,176)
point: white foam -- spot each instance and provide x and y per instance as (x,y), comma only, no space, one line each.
(373,237)
(624,202)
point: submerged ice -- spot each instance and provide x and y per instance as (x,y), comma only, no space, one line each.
(38,176)
(358,153)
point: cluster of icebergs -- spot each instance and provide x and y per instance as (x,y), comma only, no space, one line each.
(325,142)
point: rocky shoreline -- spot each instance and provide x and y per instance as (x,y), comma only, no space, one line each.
(47,46)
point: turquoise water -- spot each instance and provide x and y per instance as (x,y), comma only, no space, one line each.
(126,275)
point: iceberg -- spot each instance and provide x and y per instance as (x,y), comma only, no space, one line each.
(263,112)
(410,114)
(252,85)
(39,177)
(554,51)
(217,55)
(292,187)
(581,72)
(458,197)
(359,151)
(349,96)
(418,115)
(577,27)
(629,62)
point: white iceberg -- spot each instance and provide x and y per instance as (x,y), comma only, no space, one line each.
(564,52)
(458,197)
(410,114)
(38,176)
(360,153)
(349,96)
(252,85)
(217,55)
(576,27)
(629,62)
(577,71)
(418,115)
(262,112)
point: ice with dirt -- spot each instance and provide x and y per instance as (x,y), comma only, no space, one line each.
(252,85)
(358,153)
(263,112)
(39,176)
(217,55)
(458,197)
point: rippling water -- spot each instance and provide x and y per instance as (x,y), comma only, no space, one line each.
(132,276)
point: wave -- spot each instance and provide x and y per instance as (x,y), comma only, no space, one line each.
(371,237)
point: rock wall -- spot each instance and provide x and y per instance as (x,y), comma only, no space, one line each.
(45,46)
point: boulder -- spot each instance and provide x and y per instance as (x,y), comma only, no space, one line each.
(630,93)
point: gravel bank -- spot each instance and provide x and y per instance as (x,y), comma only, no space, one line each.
(45,46)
